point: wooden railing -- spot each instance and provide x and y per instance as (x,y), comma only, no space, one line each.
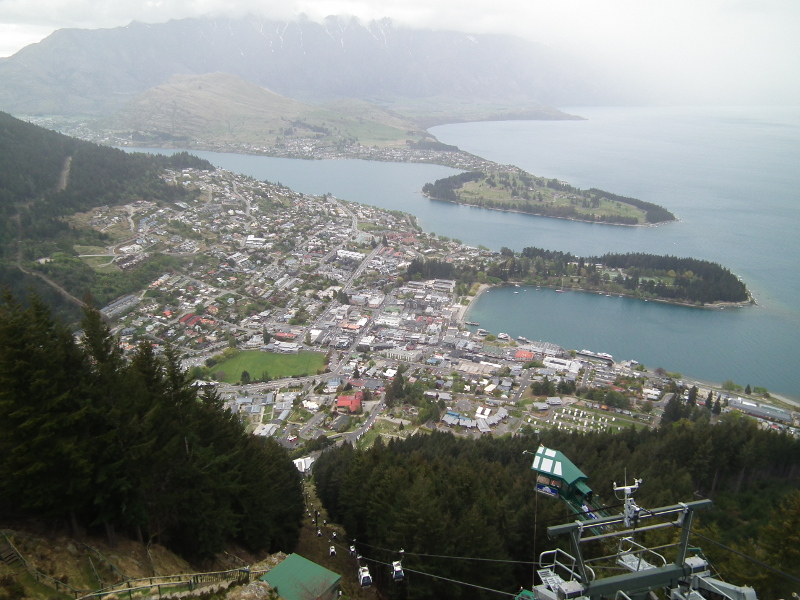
(52,582)
(170,584)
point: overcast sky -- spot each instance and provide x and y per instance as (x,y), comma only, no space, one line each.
(691,51)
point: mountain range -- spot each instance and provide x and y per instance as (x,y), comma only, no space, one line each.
(96,72)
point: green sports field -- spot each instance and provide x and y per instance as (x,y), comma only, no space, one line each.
(256,363)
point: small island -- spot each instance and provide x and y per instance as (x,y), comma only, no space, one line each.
(512,189)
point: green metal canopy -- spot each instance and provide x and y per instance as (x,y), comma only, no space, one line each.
(554,464)
(297,578)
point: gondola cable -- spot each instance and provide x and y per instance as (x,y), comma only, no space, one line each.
(472,585)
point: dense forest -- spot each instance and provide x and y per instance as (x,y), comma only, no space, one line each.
(445,188)
(438,497)
(524,193)
(92,440)
(694,280)
(46,176)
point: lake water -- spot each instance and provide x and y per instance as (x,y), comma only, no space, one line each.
(730,175)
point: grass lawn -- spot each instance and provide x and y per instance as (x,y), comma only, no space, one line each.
(256,363)
(101,263)
(370,436)
(89,249)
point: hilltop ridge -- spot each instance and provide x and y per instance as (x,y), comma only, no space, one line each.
(95,72)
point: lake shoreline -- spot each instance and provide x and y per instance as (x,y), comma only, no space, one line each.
(711,306)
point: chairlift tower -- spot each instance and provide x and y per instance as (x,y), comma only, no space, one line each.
(570,576)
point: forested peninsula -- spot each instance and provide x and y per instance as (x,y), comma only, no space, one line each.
(646,276)
(513,189)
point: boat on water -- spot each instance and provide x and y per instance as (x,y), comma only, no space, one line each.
(503,336)
(590,354)
(475,323)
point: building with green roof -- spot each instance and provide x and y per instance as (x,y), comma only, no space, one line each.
(297,578)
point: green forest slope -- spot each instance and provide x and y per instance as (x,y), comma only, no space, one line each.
(439,496)
(45,177)
(89,438)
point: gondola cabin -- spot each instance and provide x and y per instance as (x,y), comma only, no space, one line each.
(364,577)
(397,570)
(557,477)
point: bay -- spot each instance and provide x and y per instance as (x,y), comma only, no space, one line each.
(712,345)
(729,174)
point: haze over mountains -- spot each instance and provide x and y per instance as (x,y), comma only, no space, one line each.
(95,72)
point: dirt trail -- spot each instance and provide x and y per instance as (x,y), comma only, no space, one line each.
(63,179)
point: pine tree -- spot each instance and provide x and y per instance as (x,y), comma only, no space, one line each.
(89,436)
(692,396)
(44,426)
(118,439)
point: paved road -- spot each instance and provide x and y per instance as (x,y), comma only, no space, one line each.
(355,435)
(313,423)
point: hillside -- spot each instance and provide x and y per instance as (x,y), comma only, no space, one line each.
(95,72)
(45,177)
(160,462)
(439,497)
(219,108)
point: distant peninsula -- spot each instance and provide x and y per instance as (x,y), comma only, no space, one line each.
(512,189)
(671,279)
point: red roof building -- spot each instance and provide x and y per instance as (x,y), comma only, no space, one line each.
(351,403)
